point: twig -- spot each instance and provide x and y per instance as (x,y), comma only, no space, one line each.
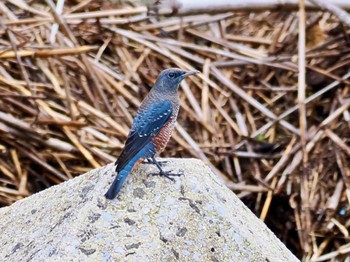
(334,9)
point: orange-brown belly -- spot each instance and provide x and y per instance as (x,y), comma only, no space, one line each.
(161,140)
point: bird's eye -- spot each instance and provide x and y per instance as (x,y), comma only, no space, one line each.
(171,75)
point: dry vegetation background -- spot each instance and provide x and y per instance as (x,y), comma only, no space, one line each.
(70,84)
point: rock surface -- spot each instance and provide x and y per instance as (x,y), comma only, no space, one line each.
(195,218)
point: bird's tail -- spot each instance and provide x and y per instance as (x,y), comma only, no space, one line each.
(124,170)
(119,180)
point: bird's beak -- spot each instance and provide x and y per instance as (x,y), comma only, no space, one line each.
(189,73)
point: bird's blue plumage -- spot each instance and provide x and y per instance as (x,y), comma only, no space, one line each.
(152,126)
(147,124)
(125,171)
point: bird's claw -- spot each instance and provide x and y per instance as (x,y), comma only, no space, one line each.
(167,175)
(162,172)
(150,161)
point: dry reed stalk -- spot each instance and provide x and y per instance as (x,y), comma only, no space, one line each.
(71,80)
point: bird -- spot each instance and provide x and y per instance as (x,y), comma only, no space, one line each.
(152,127)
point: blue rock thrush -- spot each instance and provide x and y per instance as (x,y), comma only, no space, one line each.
(152,127)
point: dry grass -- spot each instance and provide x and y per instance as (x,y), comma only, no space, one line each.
(68,92)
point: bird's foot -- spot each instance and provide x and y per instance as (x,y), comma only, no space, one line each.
(161,171)
(167,174)
(150,161)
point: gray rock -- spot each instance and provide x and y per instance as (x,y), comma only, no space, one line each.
(195,218)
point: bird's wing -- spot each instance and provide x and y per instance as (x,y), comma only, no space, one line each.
(147,124)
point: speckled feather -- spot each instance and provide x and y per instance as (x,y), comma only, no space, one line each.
(153,122)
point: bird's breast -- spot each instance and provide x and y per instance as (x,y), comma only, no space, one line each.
(161,139)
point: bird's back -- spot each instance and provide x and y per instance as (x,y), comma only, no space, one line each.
(153,123)
(161,139)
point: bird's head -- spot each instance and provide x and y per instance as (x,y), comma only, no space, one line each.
(169,79)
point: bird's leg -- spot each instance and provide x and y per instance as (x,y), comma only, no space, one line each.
(150,161)
(147,161)
(161,171)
